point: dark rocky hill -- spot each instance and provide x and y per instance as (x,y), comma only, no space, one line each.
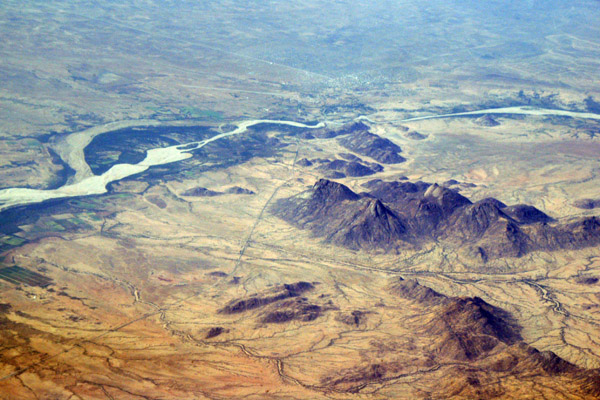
(581,233)
(348,129)
(280,304)
(359,222)
(414,135)
(350,168)
(410,289)
(368,144)
(204,192)
(201,192)
(587,204)
(479,343)
(401,213)
(357,138)
(526,214)
(470,329)
(238,190)
(368,224)
(283,292)
(487,121)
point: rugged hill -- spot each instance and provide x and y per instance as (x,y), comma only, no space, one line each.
(467,316)
(410,289)
(577,234)
(475,344)
(368,144)
(487,121)
(400,213)
(358,138)
(360,222)
(204,192)
(350,168)
(526,214)
(348,129)
(280,304)
(587,204)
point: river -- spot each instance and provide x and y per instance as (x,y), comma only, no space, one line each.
(96,184)
(84,183)
(521,110)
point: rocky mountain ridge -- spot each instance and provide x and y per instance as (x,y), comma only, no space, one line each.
(402,214)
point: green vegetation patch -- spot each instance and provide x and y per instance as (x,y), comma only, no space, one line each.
(66,224)
(87,204)
(8,242)
(197,113)
(77,221)
(52,225)
(74,223)
(94,217)
(12,240)
(120,196)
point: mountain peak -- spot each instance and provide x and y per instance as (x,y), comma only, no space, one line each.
(332,192)
(448,199)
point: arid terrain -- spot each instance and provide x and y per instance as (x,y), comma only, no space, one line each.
(299,200)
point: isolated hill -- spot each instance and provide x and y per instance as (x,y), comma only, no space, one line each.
(204,192)
(350,168)
(487,121)
(358,138)
(587,204)
(368,144)
(280,304)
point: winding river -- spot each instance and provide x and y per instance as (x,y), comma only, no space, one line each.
(520,110)
(85,183)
